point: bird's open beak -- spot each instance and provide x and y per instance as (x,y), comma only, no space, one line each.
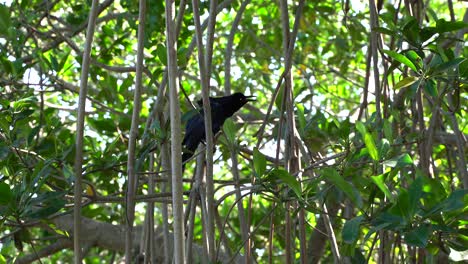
(251,98)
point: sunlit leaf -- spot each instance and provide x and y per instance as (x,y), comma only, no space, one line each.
(259,161)
(401,58)
(405,82)
(379,180)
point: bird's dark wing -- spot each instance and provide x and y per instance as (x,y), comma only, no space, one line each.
(194,132)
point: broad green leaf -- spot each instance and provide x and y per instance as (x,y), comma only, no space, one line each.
(301,117)
(351,229)
(415,193)
(5,193)
(448,65)
(431,88)
(370,145)
(287,178)
(5,20)
(51,208)
(457,200)
(388,131)
(368,140)
(418,237)
(259,161)
(385,31)
(411,32)
(161,52)
(401,58)
(415,58)
(447,26)
(400,209)
(405,82)
(361,128)
(334,177)
(374,229)
(379,180)
(230,129)
(399,161)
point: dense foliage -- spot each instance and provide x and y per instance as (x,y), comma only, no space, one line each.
(379,132)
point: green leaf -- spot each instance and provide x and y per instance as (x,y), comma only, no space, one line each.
(5,20)
(370,145)
(5,194)
(411,32)
(335,178)
(301,118)
(405,82)
(415,193)
(431,88)
(374,229)
(351,229)
(399,161)
(368,140)
(379,180)
(361,128)
(385,31)
(161,52)
(51,208)
(455,201)
(259,161)
(288,179)
(388,131)
(401,58)
(401,207)
(230,130)
(448,65)
(408,200)
(443,26)
(418,237)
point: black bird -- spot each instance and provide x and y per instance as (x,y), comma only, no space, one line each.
(221,109)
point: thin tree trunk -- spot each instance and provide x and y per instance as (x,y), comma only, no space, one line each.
(132,181)
(176,138)
(80,130)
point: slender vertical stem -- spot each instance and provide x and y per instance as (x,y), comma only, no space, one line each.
(240,205)
(292,153)
(375,57)
(149,249)
(208,130)
(230,45)
(80,130)
(176,138)
(132,181)
(287,84)
(210,38)
(166,165)
(331,234)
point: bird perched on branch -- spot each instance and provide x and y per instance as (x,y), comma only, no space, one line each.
(221,109)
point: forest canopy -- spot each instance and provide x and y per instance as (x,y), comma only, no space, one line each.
(354,150)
